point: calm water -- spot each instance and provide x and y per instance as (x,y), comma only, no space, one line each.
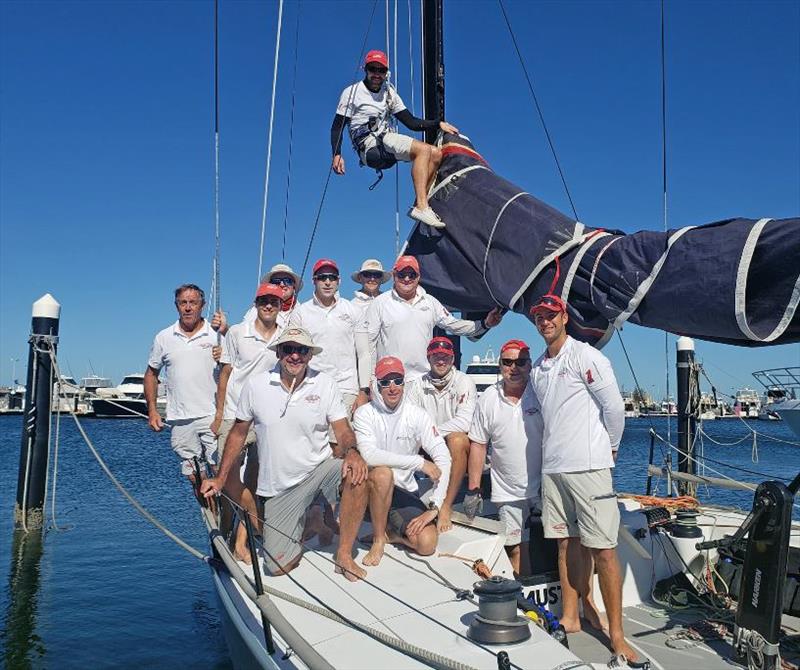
(108,590)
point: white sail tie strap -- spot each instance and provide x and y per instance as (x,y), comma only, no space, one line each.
(741,289)
(573,269)
(456,175)
(578,237)
(489,244)
(644,287)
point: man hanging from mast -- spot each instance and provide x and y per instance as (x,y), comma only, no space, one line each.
(366,107)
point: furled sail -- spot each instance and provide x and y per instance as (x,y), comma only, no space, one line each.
(735,281)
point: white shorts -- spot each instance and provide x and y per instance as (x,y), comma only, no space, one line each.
(396,144)
(514,515)
(193,438)
(581,504)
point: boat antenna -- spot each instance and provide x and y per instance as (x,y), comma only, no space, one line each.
(216,282)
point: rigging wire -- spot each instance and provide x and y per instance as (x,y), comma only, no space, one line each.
(411,59)
(538,109)
(291,131)
(339,139)
(664,192)
(269,141)
(397,169)
(217,298)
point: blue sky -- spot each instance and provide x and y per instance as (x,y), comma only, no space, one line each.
(106,143)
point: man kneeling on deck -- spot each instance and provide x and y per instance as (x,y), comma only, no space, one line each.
(291,407)
(390,433)
(448,396)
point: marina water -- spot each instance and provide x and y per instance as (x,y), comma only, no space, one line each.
(109,590)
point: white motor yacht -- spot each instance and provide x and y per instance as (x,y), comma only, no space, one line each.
(484,371)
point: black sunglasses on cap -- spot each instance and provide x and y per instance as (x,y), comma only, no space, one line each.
(519,362)
(289,349)
(440,345)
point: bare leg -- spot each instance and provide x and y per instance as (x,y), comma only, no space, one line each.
(590,612)
(423,543)
(351,513)
(458,444)
(239,493)
(381,481)
(608,573)
(513,552)
(570,572)
(420,172)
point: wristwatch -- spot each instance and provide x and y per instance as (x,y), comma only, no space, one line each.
(433,507)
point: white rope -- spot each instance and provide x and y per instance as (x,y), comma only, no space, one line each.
(269,141)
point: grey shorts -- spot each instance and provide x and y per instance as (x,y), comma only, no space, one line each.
(225,428)
(514,515)
(192,438)
(285,514)
(581,504)
(396,144)
(404,508)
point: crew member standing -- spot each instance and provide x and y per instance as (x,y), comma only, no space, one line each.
(370,276)
(584,416)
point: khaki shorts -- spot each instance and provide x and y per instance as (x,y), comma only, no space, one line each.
(347,399)
(581,504)
(192,438)
(396,144)
(225,428)
(514,515)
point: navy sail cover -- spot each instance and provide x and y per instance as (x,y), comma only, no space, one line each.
(735,281)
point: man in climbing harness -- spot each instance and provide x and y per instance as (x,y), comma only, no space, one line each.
(390,433)
(183,350)
(448,397)
(367,107)
(508,417)
(291,407)
(584,417)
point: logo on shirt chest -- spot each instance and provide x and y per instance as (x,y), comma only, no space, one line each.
(345,318)
(589,378)
(312,398)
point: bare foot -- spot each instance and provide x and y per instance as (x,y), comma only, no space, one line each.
(622,647)
(345,565)
(443,523)
(571,626)
(593,617)
(375,554)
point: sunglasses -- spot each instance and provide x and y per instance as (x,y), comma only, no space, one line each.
(440,345)
(272,300)
(406,274)
(289,349)
(372,275)
(282,281)
(377,69)
(519,362)
(386,383)
(550,302)
(327,276)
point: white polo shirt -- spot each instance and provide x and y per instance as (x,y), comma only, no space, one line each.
(515,432)
(395,327)
(333,329)
(189,370)
(292,432)
(246,351)
(452,407)
(575,437)
(359,104)
(394,438)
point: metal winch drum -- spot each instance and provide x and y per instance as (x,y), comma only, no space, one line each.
(497,621)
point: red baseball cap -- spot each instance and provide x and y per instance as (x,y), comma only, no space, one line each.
(515,344)
(406,262)
(324,263)
(376,56)
(389,365)
(549,302)
(269,289)
(441,345)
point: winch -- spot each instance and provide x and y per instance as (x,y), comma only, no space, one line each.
(497,621)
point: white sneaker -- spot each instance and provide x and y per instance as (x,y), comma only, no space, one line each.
(426,216)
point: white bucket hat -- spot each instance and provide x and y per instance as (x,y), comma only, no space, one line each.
(282,268)
(371,265)
(295,336)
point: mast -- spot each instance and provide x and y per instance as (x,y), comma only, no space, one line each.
(432,64)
